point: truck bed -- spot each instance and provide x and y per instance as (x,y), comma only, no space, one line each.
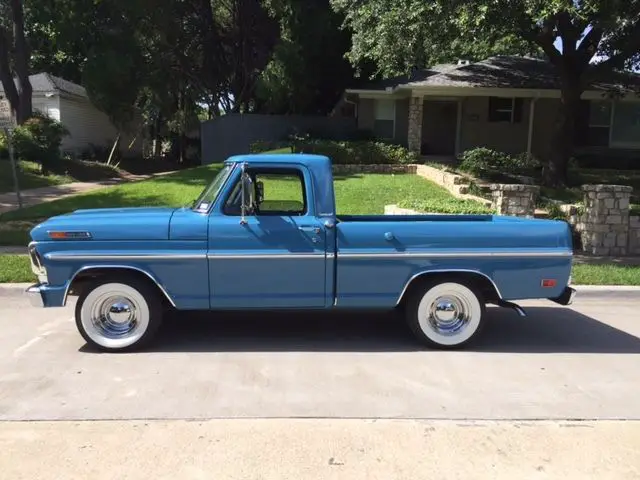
(415,218)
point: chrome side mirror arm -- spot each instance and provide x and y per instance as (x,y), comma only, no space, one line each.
(243,210)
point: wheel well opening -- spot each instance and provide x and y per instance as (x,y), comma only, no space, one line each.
(85,277)
(476,280)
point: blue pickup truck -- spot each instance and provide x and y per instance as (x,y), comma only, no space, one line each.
(265,235)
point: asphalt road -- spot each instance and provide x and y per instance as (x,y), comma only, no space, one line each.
(581,362)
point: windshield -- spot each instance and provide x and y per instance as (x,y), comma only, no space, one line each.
(209,195)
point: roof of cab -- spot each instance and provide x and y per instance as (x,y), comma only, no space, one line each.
(304,158)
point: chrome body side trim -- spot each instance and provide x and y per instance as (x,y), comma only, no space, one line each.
(395,255)
(552,253)
(124,256)
(124,267)
(266,256)
(427,272)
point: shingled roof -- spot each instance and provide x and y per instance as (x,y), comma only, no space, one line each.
(496,72)
(47,83)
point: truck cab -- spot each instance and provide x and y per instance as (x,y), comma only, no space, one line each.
(266,234)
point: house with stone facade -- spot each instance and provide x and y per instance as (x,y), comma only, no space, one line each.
(507,103)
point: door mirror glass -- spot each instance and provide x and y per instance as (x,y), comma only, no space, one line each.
(247,195)
(259,192)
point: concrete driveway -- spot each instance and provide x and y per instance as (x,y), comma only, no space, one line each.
(331,397)
(581,362)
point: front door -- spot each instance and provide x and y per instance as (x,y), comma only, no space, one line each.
(276,258)
(439,126)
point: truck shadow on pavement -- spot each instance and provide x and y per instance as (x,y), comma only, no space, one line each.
(545,330)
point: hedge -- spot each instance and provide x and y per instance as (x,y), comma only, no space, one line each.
(346,152)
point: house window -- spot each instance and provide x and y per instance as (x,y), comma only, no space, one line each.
(599,123)
(505,109)
(384,124)
(626,124)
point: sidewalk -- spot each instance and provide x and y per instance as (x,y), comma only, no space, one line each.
(35,196)
(328,449)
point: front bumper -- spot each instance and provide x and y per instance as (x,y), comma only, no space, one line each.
(43,295)
(566,298)
(36,295)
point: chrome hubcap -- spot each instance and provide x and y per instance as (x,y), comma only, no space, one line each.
(448,315)
(115,317)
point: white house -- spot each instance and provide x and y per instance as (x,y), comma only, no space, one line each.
(69,103)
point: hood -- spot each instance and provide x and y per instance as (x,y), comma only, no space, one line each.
(144,223)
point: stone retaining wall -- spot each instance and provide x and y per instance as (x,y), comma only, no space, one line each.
(516,200)
(375,168)
(634,235)
(396,210)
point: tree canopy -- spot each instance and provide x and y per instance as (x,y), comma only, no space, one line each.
(172,62)
(595,36)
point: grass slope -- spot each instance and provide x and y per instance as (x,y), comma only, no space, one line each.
(355,194)
(67,171)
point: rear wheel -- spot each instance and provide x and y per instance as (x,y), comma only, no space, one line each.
(446,314)
(119,313)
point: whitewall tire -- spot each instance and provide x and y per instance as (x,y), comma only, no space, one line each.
(118,314)
(447,314)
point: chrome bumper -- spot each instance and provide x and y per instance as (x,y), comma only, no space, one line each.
(566,298)
(36,296)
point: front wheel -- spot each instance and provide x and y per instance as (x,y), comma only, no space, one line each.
(447,314)
(118,314)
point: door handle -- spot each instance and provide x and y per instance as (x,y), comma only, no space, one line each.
(310,228)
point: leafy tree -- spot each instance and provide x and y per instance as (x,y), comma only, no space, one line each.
(14,59)
(308,71)
(397,34)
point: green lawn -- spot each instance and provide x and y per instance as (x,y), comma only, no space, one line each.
(28,177)
(66,171)
(606,274)
(15,269)
(355,194)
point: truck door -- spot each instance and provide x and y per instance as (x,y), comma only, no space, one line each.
(276,257)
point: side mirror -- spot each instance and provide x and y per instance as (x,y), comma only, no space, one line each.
(259,192)
(247,194)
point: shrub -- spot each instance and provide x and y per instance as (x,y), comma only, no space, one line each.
(523,162)
(343,152)
(469,207)
(267,145)
(478,161)
(358,152)
(4,148)
(39,140)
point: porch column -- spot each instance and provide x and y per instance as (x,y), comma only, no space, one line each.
(458,127)
(414,136)
(532,114)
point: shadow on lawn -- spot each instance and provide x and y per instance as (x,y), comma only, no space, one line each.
(546,330)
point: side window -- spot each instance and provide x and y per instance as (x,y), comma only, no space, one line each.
(282,194)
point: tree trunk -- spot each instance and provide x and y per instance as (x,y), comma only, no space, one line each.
(555,171)
(24,108)
(6,76)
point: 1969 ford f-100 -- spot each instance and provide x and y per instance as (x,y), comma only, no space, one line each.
(265,235)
